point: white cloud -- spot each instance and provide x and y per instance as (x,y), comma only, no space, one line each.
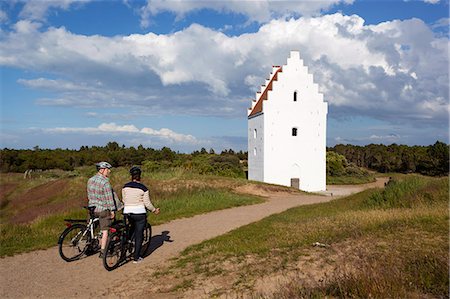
(362,69)
(169,134)
(53,85)
(442,22)
(441,26)
(432,1)
(8,139)
(389,138)
(26,27)
(386,137)
(92,114)
(112,128)
(38,10)
(3,16)
(255,10)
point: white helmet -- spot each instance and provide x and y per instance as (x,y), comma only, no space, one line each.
(101,165)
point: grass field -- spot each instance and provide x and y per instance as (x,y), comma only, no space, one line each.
(354,176)
(349,180)
(32,211)
(390,243)
(378,244)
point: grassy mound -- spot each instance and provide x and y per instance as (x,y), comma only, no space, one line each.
(378,243)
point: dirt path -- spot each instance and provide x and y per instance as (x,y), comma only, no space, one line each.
(44,274)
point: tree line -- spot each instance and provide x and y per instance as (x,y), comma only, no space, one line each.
(428,160)
(12,160)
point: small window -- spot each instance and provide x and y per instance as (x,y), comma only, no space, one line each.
(294,131)
(254,151)
(295,96)
(255,133)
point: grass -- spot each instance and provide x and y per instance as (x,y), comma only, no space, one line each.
(199,201)
(404,229)
(349,175)
(40,234)
(349,180)
(74,190)
(22,185)
(402,193)
(177,199)
(413,273)
(391,243)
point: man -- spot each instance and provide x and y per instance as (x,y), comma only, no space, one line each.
(100,195)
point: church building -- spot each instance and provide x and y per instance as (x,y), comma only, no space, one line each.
(287,129)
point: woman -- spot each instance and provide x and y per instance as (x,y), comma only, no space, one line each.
(136,200)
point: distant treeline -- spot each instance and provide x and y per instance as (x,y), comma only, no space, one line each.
(428,160)
(204,162)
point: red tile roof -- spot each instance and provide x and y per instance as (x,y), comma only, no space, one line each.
(259,105)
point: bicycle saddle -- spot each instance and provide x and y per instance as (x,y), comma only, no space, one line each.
(90,208)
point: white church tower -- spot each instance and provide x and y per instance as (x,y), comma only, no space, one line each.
(287,129)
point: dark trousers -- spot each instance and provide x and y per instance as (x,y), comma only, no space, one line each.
(138,222)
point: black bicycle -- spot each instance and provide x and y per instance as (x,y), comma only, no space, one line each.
(120,245)
(80,237)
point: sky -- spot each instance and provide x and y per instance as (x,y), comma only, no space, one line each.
(183,73)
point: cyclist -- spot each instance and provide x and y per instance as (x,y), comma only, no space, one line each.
(136,199)
(101,195)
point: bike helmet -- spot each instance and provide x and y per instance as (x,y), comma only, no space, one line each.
(102,165)
(135,170)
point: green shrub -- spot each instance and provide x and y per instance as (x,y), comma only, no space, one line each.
(408,192)
(208,164)
(336,164)
(156,166)
(339,171)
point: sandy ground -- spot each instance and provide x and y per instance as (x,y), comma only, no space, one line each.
(43,274)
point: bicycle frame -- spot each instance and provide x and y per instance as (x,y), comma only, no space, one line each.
(121,243)
(86,238)
(90,225)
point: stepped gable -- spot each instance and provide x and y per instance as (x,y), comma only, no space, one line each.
(258,107)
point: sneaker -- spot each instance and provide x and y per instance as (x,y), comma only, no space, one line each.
(138,260)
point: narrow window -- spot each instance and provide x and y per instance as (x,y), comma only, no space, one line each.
(295,96)
(255,134)
(294,131)
(254,151)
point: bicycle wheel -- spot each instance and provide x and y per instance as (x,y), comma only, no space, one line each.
(113,252)
(146,240)
(73,242)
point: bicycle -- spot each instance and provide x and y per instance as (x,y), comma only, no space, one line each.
(120,244)
(79,237)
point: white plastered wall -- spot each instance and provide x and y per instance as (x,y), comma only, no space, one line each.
(256,148)
(302,156)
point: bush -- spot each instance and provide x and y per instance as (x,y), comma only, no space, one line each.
(409,192)
(156,166)
(339,171)
(336,164)
(205,164)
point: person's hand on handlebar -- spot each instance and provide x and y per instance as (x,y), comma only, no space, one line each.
(156,211)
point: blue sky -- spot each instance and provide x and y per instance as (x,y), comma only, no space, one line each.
(182,73)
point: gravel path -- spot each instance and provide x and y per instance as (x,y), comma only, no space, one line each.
(44,274)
